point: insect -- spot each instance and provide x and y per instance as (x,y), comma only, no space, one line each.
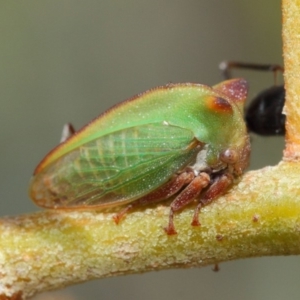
(177,140)
(264,114)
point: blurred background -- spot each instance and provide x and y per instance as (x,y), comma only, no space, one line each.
(68,61)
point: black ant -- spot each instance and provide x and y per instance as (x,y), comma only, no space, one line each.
(264,114)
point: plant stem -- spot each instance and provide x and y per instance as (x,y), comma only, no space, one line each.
(257,217)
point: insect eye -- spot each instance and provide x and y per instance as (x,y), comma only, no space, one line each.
(229,156)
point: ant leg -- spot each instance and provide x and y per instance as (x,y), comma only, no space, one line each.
(215,190)
(167,190)
(227,66)
(185,197)
(68,131)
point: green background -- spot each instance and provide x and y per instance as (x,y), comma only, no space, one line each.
(68,61)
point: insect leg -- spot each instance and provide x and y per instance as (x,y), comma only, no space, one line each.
(68,131)
(215,190)
(185,197)
(167,190)
(227,66)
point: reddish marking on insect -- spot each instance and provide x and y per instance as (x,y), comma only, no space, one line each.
(218,105)
(236,90)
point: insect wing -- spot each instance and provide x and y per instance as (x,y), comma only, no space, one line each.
(116,168)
